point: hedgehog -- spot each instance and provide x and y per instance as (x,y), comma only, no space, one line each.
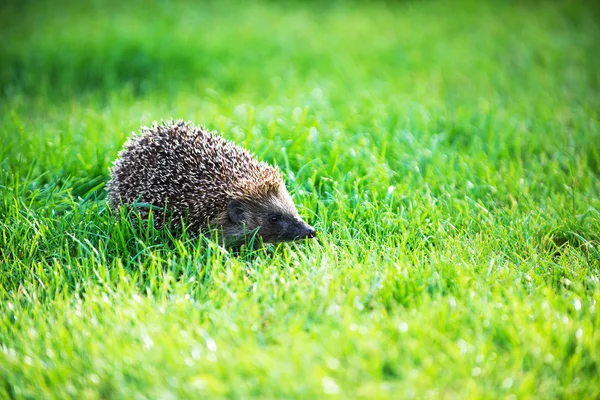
(200,177)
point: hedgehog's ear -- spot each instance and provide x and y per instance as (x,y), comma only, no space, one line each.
(235,210)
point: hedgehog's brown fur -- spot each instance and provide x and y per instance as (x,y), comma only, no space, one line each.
(198,175)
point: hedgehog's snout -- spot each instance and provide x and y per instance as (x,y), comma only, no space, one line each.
(310,232)
(307,232)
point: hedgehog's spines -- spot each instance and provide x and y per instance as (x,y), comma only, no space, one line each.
(191,167)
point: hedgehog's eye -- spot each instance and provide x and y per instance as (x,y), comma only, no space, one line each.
(274,218)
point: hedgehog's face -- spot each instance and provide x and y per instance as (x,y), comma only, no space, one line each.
(274,219)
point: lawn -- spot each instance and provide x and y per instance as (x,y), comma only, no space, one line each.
(448,153)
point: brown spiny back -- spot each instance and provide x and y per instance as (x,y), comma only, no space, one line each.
(191,170)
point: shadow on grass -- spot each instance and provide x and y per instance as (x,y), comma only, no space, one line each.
(582,235)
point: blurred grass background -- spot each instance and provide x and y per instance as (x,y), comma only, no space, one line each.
(446,151)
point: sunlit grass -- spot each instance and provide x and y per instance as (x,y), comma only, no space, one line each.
(446,153)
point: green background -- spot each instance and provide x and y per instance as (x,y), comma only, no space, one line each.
(447,153)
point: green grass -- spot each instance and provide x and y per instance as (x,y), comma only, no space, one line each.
(448,154)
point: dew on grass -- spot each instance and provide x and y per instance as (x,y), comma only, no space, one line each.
(403,327)
(333,363)
(196,352)
(211,344)
(577,304)
(329,385)
(452,302)
(148,342)
(390,191)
